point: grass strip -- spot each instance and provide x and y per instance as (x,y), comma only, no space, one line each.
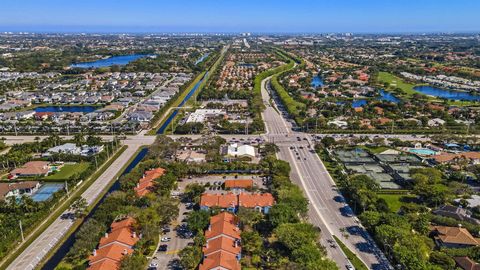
(352,257)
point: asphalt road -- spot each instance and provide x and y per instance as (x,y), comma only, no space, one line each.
(309,172)
(37,250)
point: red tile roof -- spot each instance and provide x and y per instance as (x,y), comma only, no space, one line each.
(106,264)
(114,252)
(247,183)
(253,200)
(220,259)
(221,243)
(116,244)
(455,235)
(32,168)
(146,183)
(221,248)
(466,263)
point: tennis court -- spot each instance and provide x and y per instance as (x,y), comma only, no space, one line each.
(46,191)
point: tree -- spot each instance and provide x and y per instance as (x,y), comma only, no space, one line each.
(197,221)
(270,149)
(294,235)
(133,262)
(79,139)
(282,213)
(79,207)
(190,257)
(443,260)
(193,192)
(328,142)
(249,217)
(251,242)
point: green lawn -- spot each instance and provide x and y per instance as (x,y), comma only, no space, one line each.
(394,201)
(396,82)
(354,260)
(68,170)
(376,149)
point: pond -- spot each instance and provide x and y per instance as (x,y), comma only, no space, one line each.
(386,96)
(317,81)
(447,94)
(120,60)
(359,103)
(58,109)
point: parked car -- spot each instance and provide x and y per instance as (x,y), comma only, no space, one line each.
(163,248)
(166,239)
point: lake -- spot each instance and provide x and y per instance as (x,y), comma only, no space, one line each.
(120,60)
(56,109)
(447,94)
(317,82)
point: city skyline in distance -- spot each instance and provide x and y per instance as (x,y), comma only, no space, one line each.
(269,16)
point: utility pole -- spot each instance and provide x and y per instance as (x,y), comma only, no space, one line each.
(66,189)
(21,230)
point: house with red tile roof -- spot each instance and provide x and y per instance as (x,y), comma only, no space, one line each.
(453,237)
(116,244)
(31,169)
(222,247)
(466,263)
(260,202)
(231,202)
(147,182)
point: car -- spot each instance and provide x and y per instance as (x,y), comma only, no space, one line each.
(166,230)
(163,248)
(304,158)
(349,267)
(166,239)
(298,158)
(153,265)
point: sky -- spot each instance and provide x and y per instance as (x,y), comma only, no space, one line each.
(256,16)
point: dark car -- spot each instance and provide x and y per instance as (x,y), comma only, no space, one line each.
(163,248)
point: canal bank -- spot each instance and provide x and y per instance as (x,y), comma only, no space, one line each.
(172,115)
(56,255)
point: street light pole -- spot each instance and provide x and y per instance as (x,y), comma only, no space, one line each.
(21,230)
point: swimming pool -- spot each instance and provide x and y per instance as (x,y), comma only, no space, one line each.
(422,151)
(46,191)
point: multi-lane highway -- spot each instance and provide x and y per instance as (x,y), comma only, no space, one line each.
(326,202)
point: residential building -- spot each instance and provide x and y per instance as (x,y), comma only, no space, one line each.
(31,169)
(116,244)
(18,189)
(453,237)
(457,213)
(231,202)
(147,182)
(466,263)
(222,249)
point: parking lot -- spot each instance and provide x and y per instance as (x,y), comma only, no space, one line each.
(174,238)
(215,182)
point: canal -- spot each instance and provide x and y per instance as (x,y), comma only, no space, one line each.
(170,118)
(62,251)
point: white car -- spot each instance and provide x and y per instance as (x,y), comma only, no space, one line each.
(153,265)
(349,267)
(166,239)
